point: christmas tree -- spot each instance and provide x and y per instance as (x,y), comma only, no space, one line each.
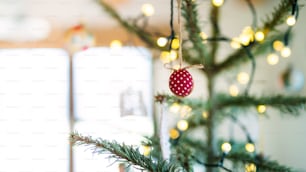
(187,47)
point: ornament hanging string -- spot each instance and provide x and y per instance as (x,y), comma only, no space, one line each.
(180,50)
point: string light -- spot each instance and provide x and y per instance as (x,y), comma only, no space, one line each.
(182,125)
(175,108)
(291,20)
(204,36)
(250,147)
(226,147)
(147,9)
(175,43)
(261,109)
(174,134)
(250,167)
(116,44)
(235,43)
(247,36)
(233,90)
(145,150)
(185,111)
(205,114)
(272,59)
(259,36)
(243,77)
(217,3)
(162,41)
(278,45)
(285,52)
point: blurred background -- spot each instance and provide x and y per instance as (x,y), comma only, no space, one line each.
(39,39)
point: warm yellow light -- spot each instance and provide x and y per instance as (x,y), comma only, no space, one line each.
(278,45)
(185,111)
(217,3)
(259,36)
(233,90)
(182,125)
(247,36)
(250,147)
(235,43)
(226,147)
(147,9)
(205,114)
(174,134)
(145,150)
(175,108)
(291,20)
(164,56)
(261,108)
(116,44)
(272,59)
(162,41)
(204,37)
(173,55)
(243,77)
(250,167)
(175,43)
(285,52)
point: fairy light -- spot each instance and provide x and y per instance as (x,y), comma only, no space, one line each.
(291,20)
(226,147)
(272,59)
(243,77)
(172,55)
(147,9)
(250,147)
(175,43)
(250,167)
(182,125)
(235,43)
(204,36)
(259,36)
(233,90)
(116,44)
(205,114)
(247,36)
(174,134)
(261,109)
(162,41)
(185,111)
(217,3)
(285,52)
(278,45)
(145,150)
(175,108)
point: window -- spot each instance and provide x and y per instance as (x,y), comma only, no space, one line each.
(112,99)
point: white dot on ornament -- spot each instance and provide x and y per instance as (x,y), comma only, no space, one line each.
(162,41)
(286,52)
(226,147)
(291,20)
(147,9)
(272,59)
(243,78)
(217,3)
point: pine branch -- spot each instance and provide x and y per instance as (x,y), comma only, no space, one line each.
(262,164)
(270,24)
(145,36)
(190,13)
(285,104)
(123,152)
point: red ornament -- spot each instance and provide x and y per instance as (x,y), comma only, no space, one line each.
(181,82)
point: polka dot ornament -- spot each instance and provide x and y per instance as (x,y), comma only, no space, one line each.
(181,82)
